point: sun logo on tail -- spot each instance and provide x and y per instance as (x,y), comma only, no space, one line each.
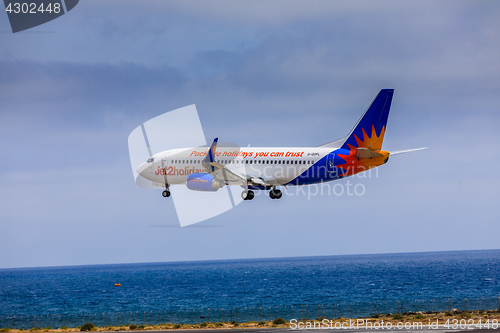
(353,164)
(372,142)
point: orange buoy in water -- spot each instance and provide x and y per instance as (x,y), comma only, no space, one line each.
(118,285)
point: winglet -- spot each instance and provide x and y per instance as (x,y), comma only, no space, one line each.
(210,158)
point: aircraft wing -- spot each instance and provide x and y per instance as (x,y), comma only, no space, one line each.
(223,173)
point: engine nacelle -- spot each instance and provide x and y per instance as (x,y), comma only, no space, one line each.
(203,182)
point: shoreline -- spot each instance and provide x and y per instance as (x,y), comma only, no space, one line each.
(458,320)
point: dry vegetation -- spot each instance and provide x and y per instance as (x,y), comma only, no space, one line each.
(440,317)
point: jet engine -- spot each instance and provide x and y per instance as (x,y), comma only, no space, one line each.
(203,182)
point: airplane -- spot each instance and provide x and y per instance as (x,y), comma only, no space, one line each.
(256,168)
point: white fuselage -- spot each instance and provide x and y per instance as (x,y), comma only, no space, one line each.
(277,166)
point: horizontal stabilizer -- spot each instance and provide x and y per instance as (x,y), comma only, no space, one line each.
(367,153)
(406,151)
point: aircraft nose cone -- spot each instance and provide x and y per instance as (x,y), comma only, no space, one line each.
(142,168)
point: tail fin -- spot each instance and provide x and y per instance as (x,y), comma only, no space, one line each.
(370,129)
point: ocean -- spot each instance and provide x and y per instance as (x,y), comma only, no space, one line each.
(335,284)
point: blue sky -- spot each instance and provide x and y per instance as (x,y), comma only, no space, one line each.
(281,73)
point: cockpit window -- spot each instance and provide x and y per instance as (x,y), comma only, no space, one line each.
(151,159)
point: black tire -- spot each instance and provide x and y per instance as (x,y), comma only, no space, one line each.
(275,194)
(165,194)
(279,194)
(250,195)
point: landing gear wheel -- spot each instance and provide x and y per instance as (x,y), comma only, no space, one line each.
(166,193)
(275,194)
(247,195)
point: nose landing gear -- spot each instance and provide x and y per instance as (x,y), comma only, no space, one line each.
(166,193)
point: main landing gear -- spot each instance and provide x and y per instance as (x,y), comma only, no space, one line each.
(275,193)
(166,193)
(247,195)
